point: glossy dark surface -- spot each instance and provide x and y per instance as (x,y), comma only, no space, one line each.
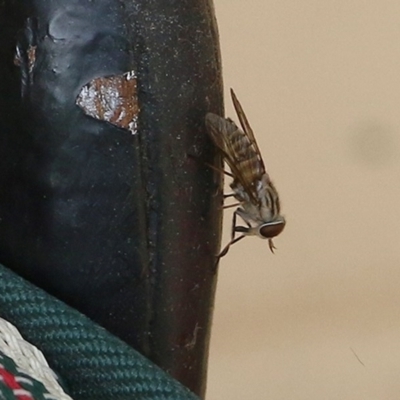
(123,227)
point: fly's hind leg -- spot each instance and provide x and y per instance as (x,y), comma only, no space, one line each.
(222,171)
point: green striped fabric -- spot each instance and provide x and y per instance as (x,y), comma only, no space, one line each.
(91,362)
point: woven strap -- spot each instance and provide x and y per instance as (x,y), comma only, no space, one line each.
(24,372)
(93,363)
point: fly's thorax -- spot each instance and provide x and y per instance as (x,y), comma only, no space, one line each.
(250,214)
(269,199)
(266,214)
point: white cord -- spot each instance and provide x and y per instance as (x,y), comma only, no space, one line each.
(29,360)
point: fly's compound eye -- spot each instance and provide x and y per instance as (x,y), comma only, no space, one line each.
(272,229)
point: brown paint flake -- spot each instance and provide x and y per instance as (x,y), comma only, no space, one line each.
(31,56)
(112,99)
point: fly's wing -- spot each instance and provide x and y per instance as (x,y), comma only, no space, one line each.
(246,126)
(239,153)
(218,128)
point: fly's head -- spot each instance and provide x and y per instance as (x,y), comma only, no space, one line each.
(271,229)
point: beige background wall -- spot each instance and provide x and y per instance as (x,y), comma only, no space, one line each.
(320,82)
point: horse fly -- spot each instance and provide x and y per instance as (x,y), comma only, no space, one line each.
(258,200)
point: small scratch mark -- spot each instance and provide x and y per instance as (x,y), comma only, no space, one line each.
(358,358)
(190,345)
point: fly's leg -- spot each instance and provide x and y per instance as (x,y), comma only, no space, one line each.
(226,196)
(271,245)
(226,248)
(233,228)
(233,239)
(231,205)
(222,171)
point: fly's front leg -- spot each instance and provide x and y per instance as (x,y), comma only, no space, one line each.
(226,248)
(242,229)
(233,240)
(233,227)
